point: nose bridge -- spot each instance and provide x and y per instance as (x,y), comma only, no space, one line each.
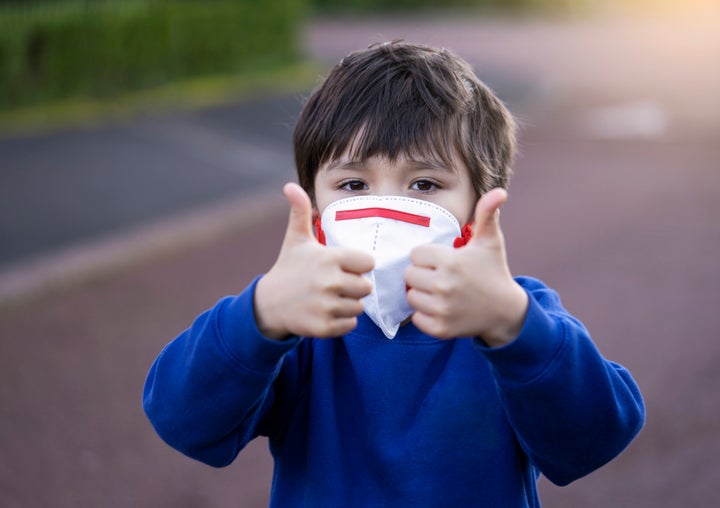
(390,182)
(389,190)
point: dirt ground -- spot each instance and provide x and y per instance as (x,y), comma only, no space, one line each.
(615,203)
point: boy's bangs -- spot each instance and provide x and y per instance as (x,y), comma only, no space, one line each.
(391,135)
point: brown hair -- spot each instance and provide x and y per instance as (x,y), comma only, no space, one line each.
(404,99)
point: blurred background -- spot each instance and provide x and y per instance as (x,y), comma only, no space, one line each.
(143,145)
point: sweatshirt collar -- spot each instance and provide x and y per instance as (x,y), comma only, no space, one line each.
(407,334)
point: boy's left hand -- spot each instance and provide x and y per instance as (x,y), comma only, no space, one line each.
(468,292)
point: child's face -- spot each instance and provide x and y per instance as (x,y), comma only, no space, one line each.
(417,178)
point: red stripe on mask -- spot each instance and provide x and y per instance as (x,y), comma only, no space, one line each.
(385,213)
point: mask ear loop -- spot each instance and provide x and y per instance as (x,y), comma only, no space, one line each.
(319,233)
(466,235)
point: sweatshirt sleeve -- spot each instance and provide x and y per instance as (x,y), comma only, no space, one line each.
(572,410)
(208,389)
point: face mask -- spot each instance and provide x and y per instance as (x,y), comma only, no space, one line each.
(388,228)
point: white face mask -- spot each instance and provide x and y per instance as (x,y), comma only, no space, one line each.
(388,228)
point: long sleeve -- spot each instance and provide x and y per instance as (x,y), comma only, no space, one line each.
(209,389)
(571,409)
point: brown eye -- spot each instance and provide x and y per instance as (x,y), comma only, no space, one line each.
(423,185)
(353,186)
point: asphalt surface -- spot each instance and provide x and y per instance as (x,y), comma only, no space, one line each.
(65,188)
(614,203)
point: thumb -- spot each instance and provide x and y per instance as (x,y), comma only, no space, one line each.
(487,214)
(299,226)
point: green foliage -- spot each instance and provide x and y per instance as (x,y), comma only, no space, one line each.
(101,48)
(410,5)
(402,7)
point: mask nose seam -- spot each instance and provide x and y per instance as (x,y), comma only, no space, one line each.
(375,237)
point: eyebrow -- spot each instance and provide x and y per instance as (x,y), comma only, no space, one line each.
(422,164)
(414,164)
(345,164)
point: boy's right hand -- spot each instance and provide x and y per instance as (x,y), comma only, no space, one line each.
(311,290)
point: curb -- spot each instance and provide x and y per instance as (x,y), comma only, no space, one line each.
(83,263)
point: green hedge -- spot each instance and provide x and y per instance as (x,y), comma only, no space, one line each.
(61,49)
(409,5)
(373,6)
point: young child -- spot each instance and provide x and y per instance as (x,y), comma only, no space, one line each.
(388,354)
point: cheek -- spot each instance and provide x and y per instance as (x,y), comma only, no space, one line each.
(470,205)
(322,200)
(463,201)
(323,196)
(464,210)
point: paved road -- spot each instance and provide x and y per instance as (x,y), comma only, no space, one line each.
(65,188)
(614,203)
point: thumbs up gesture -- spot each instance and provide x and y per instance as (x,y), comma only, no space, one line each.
(468,292)
(311,290)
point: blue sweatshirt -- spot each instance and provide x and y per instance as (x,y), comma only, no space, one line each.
(414,421)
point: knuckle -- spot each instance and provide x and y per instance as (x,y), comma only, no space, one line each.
(356,308)
(337,255)
(330,282)
(436,327)
(442,287)
(332,285)
(323,328)
(411,297)
(453,264)
(441,308)
(329,308)
(341,327)
(441,329)
(366,286)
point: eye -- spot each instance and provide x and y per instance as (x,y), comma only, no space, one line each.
(353,185)
(424,185)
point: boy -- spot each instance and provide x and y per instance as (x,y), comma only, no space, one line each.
(399,364)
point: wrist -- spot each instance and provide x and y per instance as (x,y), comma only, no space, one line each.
(511,319)
(265,319)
